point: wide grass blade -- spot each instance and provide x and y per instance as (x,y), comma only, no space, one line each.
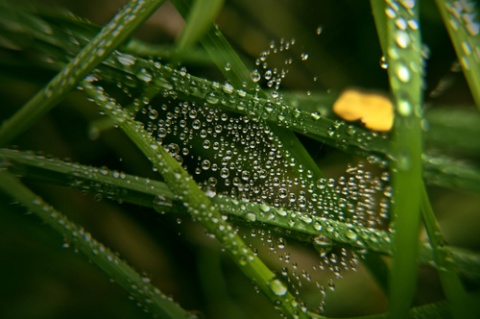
(150,298)
(110,37)
(149,193)
(460,19)
(201,17)
(199,205)
(405,70)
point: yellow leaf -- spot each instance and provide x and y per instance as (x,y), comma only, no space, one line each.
(374,110)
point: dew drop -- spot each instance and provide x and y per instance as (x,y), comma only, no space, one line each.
(403,73)
(212,98)
(315,115)
(402,39)
(278,288)
(206,164)
(256,76)
(126,60)
(323,245)
(251,217)
(383,63)
(351,234)
(404,108)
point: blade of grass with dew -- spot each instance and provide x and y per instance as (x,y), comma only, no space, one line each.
(378,12)
(450,281)
(432,310)
(200,18)
(139,287)
(347,137)
(460,304)
(233,68)
(216,44)
(460,20)
(117,186)
(111,36)
(405,74)
(437,170)
(137,47)
(200,206)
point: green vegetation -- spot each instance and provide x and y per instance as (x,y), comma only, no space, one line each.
(164,143)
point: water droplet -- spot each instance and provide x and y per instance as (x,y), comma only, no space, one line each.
(403,73)
(251,217)
(127,60)
(401,23)
(413,24)
(383,63)
(278,288)
(323,245)
(206,164)
(212,98)
(402,39)
(304,56)
(228,67)
(467,49)
(390,12)
(224,172)
(404,108)
(473,28)
(351,234)
(268,75)
(315,115)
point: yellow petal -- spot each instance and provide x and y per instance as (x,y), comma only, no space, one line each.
(374,110)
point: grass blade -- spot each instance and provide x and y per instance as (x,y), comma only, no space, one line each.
(200,206)
(200,18)
(110,37)
(239,76)
(405,74)
(147,295)
(155,194)
(313,122)
(460,303)
(460,19)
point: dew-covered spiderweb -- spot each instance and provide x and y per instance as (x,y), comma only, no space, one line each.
(239,156)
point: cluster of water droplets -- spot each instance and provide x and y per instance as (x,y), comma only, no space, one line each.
(236,156)
(240,157)
(463,15)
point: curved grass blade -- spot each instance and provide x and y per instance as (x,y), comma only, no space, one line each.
(110,37)
(154,194)
(200,18)
(139,287)
(460,19)
(460,303)
(405,74)
(239,76)
(309,122)
(200,206)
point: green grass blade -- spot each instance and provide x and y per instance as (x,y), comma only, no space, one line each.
(378,11)
(405,74)
(460,303)
(139,287)
(313,122)
(200,18)
(239,76)
(111,36)
(460,19)
(155,194)
(200,206)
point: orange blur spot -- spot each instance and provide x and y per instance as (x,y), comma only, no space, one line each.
(374,110)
